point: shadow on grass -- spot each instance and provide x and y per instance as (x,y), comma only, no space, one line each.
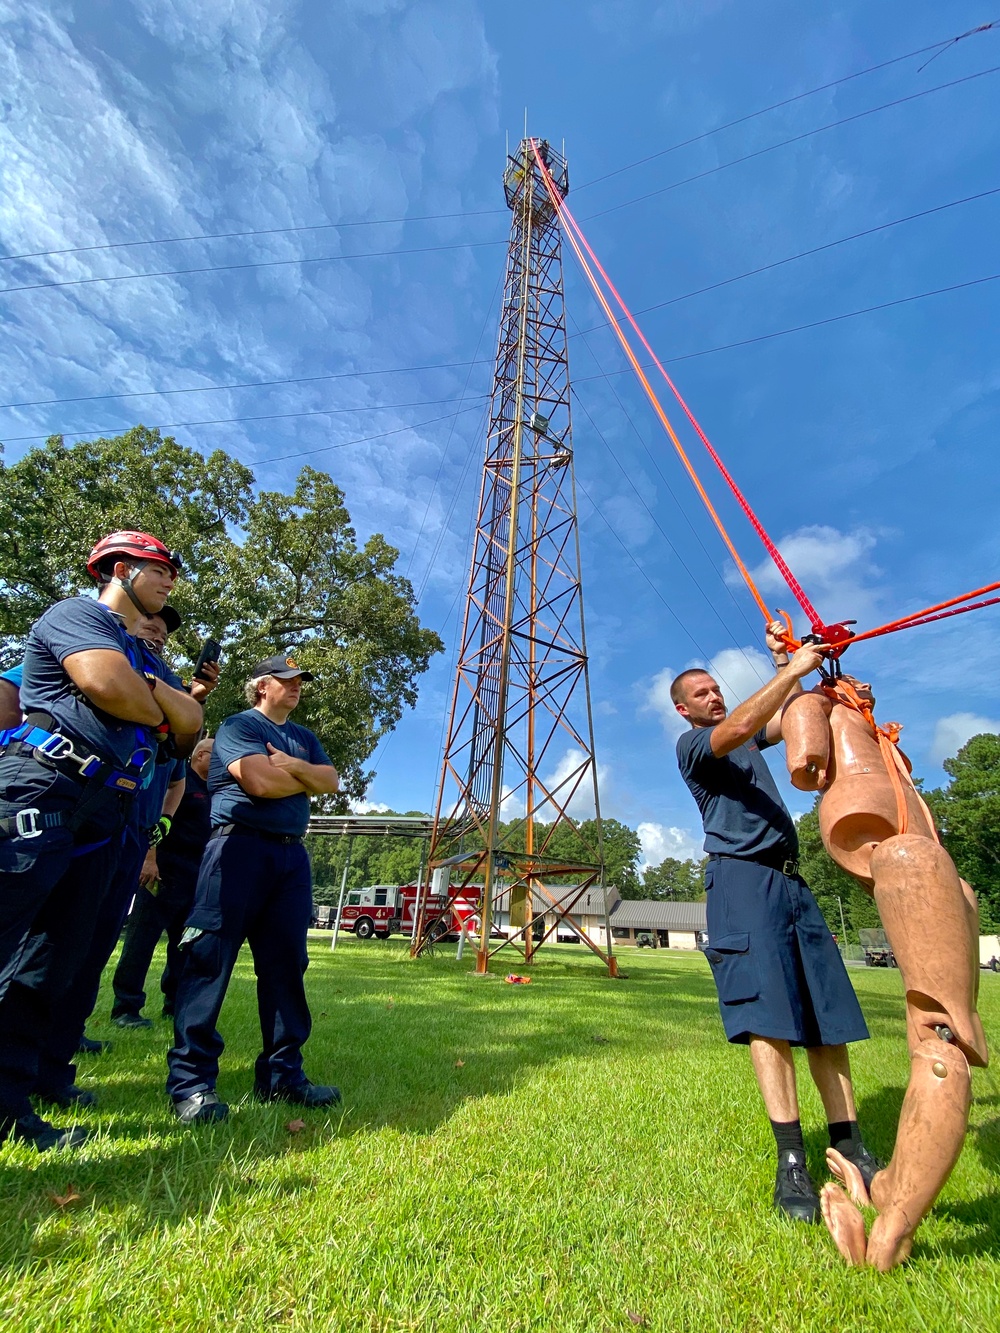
(410,1042)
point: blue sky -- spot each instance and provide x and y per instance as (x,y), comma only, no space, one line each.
(868,445)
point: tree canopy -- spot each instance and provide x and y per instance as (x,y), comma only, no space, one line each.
(264,572)
(968,814)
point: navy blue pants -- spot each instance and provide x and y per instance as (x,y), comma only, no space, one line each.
(152,914)
(56,1069)
(260,891)
(56,948)
(777,970)
(30,867)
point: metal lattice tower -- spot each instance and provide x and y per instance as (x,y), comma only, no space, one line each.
(519,775)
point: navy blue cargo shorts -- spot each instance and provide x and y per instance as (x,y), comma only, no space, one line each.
(777,969)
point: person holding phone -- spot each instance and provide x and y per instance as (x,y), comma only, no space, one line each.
(255,884)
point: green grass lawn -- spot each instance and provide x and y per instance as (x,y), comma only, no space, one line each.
(576,1154)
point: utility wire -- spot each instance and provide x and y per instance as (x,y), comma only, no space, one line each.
(270,416)
(474,245)
(799,328)
(804,254)
(686,567)
(682,356)
(451,431)
(364,439)
(460,365)
(247,384)
(938,47)
(670,490)
(249,264)
(783,143)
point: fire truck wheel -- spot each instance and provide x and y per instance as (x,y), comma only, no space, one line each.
(365,928)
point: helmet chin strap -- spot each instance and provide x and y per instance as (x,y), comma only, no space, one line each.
(129,590)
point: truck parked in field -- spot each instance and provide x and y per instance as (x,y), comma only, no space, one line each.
(387,909)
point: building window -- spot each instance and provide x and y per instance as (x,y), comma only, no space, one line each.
(621,933)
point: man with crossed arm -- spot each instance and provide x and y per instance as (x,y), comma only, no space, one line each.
(255,884)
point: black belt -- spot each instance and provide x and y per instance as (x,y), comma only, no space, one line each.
(785,866)
(287,839)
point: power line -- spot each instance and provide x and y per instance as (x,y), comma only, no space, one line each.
(475,245)
(804,254)
(364,439)
(250,264)
(799,328)
(270,416)
(796,138)
(247,384)
(682,356)
(939,47)
(252,231)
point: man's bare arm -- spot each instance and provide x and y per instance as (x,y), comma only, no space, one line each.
(259,777)
(108,680)
(317,779)
(748,717)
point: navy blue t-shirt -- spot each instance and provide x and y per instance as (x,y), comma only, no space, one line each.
(249,733)
(741,809)
(192,823)
(78,625)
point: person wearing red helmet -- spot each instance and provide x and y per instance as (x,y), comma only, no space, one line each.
(96,715)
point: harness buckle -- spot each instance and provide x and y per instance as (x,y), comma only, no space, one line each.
(56,746)
(27,823)
(790,868)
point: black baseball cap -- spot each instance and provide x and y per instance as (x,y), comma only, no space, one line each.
(283,668)
(170,617)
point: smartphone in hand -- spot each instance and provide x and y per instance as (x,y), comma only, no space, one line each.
(210,652)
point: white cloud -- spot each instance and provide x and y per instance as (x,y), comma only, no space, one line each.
(835,569)
(951,733)
(663,840)
(740,671)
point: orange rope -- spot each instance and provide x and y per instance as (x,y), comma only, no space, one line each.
(655,402)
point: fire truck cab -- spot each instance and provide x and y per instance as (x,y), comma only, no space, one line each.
(383,909)
(375,910)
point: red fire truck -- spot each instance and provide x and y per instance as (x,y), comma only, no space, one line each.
(384,909)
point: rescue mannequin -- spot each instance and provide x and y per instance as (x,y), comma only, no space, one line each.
(876,826)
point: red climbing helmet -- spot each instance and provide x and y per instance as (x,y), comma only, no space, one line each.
(137,546)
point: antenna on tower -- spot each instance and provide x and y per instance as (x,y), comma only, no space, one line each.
(517,822)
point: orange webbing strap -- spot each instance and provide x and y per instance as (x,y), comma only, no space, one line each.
(843,692)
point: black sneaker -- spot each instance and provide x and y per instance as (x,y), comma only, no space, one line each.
(200,1107)
(302,1094)
(68,1096)
(131,1021)
(88,1046)
(867,1163)
(33,1129)
(794,1192)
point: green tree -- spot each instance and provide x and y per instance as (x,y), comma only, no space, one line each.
(264,573)
(674,881)
(968,814)
(834,889)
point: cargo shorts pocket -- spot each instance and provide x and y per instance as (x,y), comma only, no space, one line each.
(734,969)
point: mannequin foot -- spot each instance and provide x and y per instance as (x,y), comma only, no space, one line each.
(844,1223)
(849,1176)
